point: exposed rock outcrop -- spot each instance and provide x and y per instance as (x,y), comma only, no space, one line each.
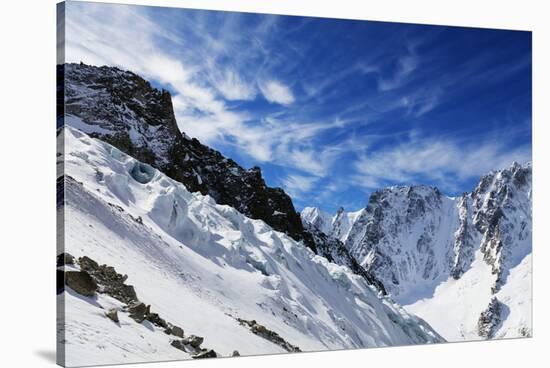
(268,334)
(81,282)
(489,319)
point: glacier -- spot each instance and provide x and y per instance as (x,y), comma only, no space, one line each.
(202,266)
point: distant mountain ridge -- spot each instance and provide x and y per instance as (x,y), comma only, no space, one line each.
(414,239)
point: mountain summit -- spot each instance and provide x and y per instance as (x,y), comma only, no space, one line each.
(418,243)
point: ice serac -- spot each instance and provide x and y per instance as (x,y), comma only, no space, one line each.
(204,267)
(123,109)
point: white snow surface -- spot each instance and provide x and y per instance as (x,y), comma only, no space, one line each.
(200,265)
(456,305)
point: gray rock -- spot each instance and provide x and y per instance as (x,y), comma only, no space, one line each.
(206,354)
(81,282)
(177,331)
(112,314)
(177,344)
(268,334)
(111,281)
(137,311)
(155,319)
(193,340)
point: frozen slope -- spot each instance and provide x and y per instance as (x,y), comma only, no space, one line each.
(455,308)
(201,265)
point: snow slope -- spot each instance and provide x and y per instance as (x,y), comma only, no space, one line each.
(456,305)
(201,265)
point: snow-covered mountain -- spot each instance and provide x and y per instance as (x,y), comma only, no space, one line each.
(123,109)
(208,274)
(337,226)
(464,254)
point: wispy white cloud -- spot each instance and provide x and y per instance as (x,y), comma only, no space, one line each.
(209,73)
(232,86)
(442,162)
(298,185)
(276,92)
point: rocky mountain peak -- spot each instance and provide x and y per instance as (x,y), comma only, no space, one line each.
(413,237)
(126,111)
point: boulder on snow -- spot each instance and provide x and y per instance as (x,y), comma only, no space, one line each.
(193,340)
(112,314)
(138,311)
(205,354)
(176,331)
(177,344)
(155,319)
(81,282)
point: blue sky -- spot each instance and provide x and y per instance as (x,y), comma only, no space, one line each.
(331,110)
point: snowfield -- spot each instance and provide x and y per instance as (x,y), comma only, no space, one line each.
(455,307)
(200,266)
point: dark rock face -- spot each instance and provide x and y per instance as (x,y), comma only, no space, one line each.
(124,110)
(268,334)
(464,242)
(394,238)
(112,282)
(490,319)
(502,215)
(81,282)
